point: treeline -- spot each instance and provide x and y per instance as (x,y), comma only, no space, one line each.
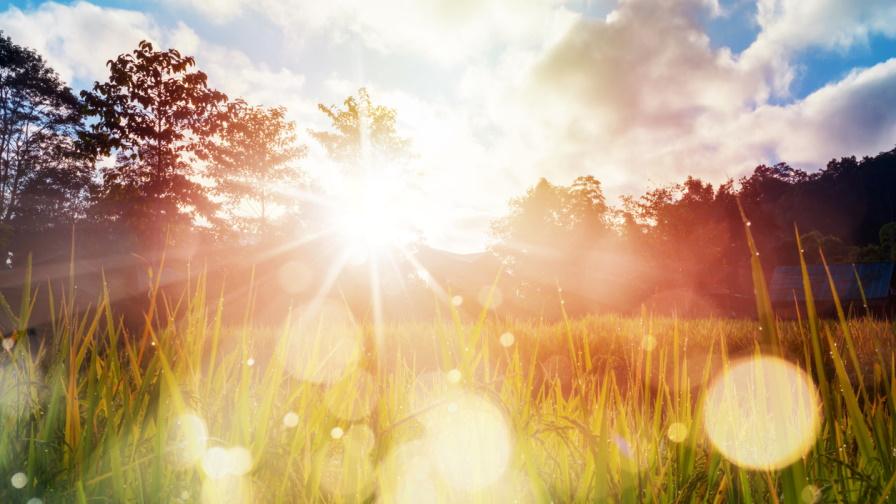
(683,246)
(152,157)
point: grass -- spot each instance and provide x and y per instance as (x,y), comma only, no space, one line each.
(602,408)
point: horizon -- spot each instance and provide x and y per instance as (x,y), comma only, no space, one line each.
(638,94)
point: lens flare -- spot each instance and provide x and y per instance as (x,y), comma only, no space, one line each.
(507,339)
(187,440)
(219,462)
(229,489)
(290,419)
(677,432)
(762,413)
(454,376)
(407,477)
(19,480)
(469,441)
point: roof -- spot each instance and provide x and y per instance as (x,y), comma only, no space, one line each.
(876,281)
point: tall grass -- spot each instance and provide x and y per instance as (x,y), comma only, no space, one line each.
(602,408)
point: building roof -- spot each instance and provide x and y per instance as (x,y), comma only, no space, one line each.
(876,282)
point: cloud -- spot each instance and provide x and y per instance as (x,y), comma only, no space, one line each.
(788,27)
(643,98)
(634,98)
(852,116)
(442,31)
(78,39)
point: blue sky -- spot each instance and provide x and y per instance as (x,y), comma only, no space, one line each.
(497,93)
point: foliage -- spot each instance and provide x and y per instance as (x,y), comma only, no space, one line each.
(362,131)
(563,219)
(599,409)
(153,113)
(549,236)
(252,161)
(43,177)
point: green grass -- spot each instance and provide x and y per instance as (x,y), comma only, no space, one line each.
(95,414)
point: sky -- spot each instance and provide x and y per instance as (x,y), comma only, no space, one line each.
(495,94)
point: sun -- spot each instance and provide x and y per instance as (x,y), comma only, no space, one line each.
(372,219)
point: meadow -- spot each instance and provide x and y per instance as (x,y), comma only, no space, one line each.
(325,408)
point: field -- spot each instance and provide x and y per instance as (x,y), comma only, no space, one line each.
(323,409)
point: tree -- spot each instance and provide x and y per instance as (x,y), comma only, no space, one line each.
(252,164)
(362,132)
(44,178)
(154,114)
(887,236)
(552,234)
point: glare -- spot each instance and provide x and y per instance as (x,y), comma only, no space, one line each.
(337,433)
(219,462)
(468,440)
(454,376)
(677,432)
(507,339)
(19,480)
(371,218)
(187,440)
(290,420)
(762,413)
(229,489)
(407,477)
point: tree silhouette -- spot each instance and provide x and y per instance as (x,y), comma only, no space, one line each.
(252,162)
(548,235)
(154,114)
(362,132)
(551,219)
(44,178)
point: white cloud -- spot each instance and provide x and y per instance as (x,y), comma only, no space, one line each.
(642,98)
(78,39)
(854,116)
(444,31)
(790,26)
